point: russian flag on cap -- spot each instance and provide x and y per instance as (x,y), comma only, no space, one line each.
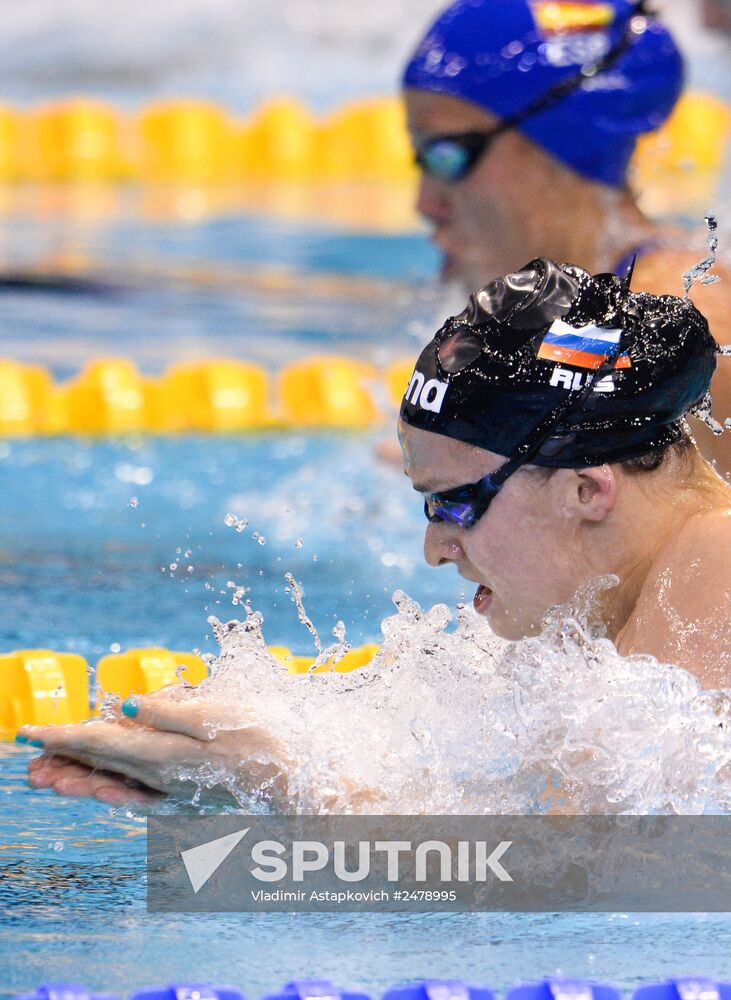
(684,988)
(582,346)
(562,989)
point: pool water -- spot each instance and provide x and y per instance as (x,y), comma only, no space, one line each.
(74,909)
(83,569)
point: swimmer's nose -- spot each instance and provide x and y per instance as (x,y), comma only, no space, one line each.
(433,200)
(441,545)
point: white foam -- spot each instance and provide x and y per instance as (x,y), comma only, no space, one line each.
(458,721)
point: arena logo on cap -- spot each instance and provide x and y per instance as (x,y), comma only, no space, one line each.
(428,394)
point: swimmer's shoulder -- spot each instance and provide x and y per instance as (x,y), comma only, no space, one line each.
(660,271)
(702,547)
(683,613)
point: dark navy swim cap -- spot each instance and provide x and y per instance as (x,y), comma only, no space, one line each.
(611,373)
(505,54)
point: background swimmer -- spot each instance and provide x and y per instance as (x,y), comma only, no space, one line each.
(544,426)
(523,121)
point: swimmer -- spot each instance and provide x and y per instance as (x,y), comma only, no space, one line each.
(544,429)
(524,116)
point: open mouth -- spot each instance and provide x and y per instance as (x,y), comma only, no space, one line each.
(482,599)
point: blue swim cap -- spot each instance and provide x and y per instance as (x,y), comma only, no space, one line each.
(504,54)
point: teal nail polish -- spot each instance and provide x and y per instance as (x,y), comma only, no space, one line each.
(21,739)
(131,707)
(35,743)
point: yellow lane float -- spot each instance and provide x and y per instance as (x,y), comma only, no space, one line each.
(40,687)
(193,142)
(224,395)
(280,142)
(327,392)
(79,140)
(189,140)
(111,397)
(141,671)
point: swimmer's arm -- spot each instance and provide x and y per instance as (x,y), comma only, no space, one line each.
(683,615)
(171,747)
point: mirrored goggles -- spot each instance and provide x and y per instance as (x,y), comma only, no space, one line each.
(464,505)
(451,157)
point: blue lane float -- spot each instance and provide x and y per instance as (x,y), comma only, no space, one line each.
(64,991)
(439,989)
(684,988)
(681,988)
(564,989)
(188,991)
(314,989)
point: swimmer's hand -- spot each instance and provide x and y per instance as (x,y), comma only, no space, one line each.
(173,745)
(68,777)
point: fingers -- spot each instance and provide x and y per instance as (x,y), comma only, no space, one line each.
(193,717)
(67,777)
(145,755)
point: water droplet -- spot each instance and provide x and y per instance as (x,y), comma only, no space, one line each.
(699,271)
(231,521)
(173,567)
(296,593)
(299,543)
(115,647)
(133,502)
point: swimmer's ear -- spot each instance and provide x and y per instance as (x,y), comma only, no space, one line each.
(595,491)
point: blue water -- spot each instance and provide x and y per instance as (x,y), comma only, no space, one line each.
(82,570)
(74,910)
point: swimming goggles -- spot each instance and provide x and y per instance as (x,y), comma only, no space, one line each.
(452,156)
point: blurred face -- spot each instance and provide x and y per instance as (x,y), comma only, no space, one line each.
(524,554)
(479,223)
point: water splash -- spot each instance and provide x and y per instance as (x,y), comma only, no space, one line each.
(296,593)
(239,592)
(448,718)
(699,271)
(334,653)
(702,411)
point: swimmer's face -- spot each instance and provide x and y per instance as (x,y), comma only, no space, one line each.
(482,224)
(528,552)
